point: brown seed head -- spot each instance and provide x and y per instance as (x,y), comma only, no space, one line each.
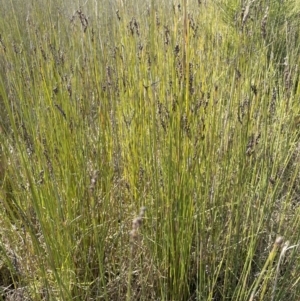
(137,222)
(142,211)
(279,241)
(133,234)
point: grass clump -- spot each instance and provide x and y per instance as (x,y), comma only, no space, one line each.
(183,108)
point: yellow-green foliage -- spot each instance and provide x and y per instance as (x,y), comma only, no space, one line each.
(190,109)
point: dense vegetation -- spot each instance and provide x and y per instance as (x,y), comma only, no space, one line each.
(149,151)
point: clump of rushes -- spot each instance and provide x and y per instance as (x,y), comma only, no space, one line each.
(102,106)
